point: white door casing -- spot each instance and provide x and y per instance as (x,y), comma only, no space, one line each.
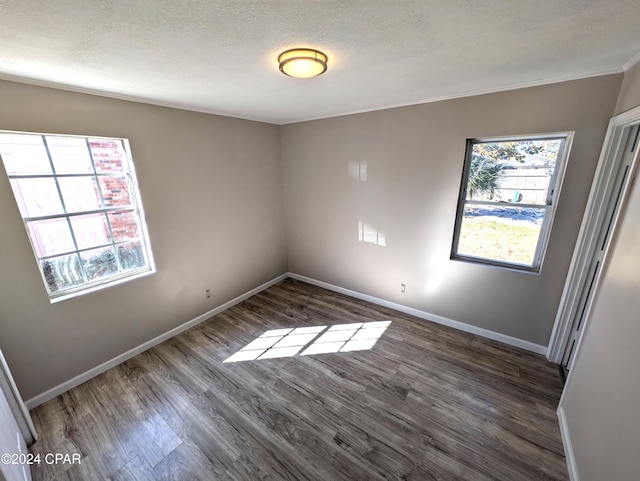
(16,428)
(12,445)
(598,223)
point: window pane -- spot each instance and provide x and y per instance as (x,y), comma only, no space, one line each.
(131,255)
(80,193)
(115,191)
(90,230)
(528,186)
(504,234)
(108,155)
(62,272)
(124,225)
(37,197)
(24,154)
(513,171)
(70,155)
(99,263)
(51,236)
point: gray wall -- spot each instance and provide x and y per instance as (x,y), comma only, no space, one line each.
(414,158)
(602,396)
(212,191)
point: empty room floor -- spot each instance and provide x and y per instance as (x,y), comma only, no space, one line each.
(386,396)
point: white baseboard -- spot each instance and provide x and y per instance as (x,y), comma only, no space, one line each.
(568,447)
(85,376)
(496,336)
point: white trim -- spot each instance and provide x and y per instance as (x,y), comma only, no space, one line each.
(192,108)
(572,467)
(631,62)
(496,336)
(85,376)
(627,118)
(470,93)
(592,220)
(127,98)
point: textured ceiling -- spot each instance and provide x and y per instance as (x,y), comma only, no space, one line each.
(220,56)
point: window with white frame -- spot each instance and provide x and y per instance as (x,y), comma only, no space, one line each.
(81,207)
(508,197)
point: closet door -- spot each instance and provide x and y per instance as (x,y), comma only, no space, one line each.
(620,185)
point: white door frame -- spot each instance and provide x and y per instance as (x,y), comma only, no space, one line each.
(594,216)
(20,413)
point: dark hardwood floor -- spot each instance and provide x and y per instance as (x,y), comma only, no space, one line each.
(425,403)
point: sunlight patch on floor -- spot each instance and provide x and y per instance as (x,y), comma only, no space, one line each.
(288,342)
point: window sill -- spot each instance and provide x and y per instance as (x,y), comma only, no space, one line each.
(100,286)
(500,265)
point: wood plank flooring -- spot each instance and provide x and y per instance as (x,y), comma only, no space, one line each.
(425,403)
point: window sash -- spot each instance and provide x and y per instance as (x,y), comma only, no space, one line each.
(103,210)
(546,221)
(86,249)
(91,286)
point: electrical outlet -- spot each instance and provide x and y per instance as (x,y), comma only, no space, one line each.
(402,287)
(208,293)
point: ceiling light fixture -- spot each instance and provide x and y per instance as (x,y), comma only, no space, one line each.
(302,62)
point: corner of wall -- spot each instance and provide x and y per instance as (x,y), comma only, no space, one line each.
(629,95)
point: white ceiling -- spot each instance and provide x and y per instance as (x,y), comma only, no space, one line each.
(220,56)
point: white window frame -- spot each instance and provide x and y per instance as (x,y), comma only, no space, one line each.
(553,194)
(135,204)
